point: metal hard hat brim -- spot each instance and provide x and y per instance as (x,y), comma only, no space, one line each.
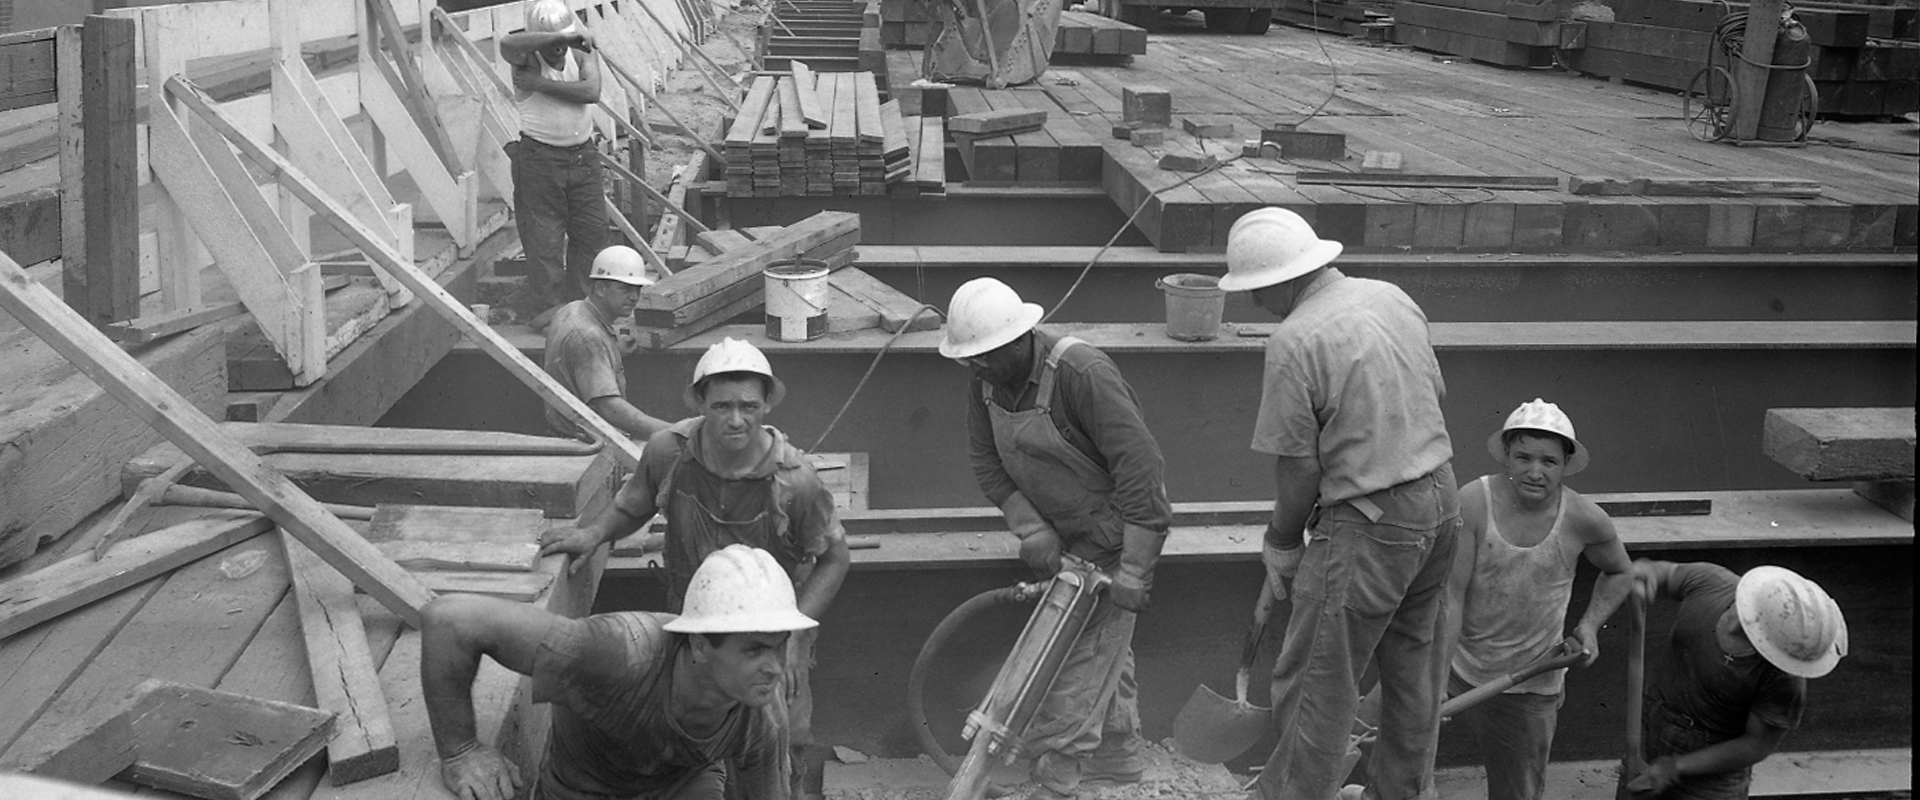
(1314,258)
(638,280)
(1575,462)
(1028,316)
(1747,597)
(773,398)
(769,622)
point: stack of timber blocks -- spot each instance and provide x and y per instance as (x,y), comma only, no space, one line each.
(1085,34)
(1346,18)
(816,134)
(1507,33)
(707,294)
(1865,61)
(905,24)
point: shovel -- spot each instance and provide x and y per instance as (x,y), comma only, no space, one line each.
(1211,729)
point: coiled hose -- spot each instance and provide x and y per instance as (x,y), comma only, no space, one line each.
(1019,593)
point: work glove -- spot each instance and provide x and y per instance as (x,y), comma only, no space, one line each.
(1140,551)
(1040,544)
(1282,564)
(1656,778)
(479,772)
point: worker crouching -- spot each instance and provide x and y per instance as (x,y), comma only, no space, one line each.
(1057,441)
(644,704)
(583,351)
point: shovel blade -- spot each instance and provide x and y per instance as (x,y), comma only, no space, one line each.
(1212,729)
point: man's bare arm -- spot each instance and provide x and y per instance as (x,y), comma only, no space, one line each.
(829,570)
(627,417)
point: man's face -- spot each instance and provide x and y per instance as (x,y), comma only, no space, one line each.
(1001,364)
(619,298)
(1535,464)
(734,407)
(746,667)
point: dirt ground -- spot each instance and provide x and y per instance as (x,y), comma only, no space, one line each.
(1167,776)
(691,98)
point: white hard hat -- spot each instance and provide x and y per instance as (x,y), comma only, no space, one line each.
(740,589)
(734,355)
(1539,415)
(621,263)
(1273,245)
(985,314)
(1793,622)
(551,16)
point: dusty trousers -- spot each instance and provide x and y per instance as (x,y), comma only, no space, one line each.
(1092,716)
(560,209)
(1515,734)
(1370,588)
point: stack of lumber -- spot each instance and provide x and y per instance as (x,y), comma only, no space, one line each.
(1863,60)
(907,23)
(717,289)
(1507,33)
(856,301)
(808,134)
(1084,34)
(1332,16)
(1058,150)
(830,35)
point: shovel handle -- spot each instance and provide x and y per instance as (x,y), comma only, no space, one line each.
(1636,681)
(1557,658)
(1262,611)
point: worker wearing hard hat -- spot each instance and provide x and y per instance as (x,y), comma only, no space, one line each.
(583,349)
(1521,539)
(1058,443)
(1734,678)
(559,202)
(644,704)
(1350,411)
(725,477)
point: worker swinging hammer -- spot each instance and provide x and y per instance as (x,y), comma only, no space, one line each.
(1057,441)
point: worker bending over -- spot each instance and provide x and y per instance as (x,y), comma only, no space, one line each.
(559,202)
(583,351)
(645,705)
(1057,442)
(725,477)
(1734,678)
(1350,410)
(1522,537)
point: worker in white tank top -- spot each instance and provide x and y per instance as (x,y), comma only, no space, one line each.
(558,190)
(1522,536)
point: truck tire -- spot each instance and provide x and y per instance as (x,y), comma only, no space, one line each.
(1225,20)
(1259,20)
(1138,16)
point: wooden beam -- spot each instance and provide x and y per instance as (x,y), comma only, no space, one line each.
(27,68)
(383,255)
(1841,444)
(88,753)
(111,275)
(1430,181)
(623,172)
(384,26)
(70,137)
(198,497)
(345,680)
(30,599)
(1749,74)
(160,406)
(219,745)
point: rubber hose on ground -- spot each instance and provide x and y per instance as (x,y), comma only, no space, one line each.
(917,680)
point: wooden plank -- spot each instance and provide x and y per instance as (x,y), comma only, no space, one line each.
(867,108)
(92,752)
(1431,181)
(788,123)
(28,69)
(740,264)
(1841,444)
(1694,187)
(111,271)
(164,408)
(147,329)
(422,556)
(220,745)
(930,156)
(997,121)
(519,587)
(345,681)
(30,599)
(804,83)
(895,308)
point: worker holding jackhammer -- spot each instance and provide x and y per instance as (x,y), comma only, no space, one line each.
(1057,441)
(645,705)
(1350,411)
(559,197)
(1523,534)
(583,352)
(723,478)
(1733,681)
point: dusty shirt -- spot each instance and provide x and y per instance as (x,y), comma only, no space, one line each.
(583,355)
(783,487)
(1096,412)
(1516,604)
(1351,379)
(549,119)
(1697,677)
(610,678)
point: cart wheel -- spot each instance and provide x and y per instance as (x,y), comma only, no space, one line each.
(1707,106)
(1809,111)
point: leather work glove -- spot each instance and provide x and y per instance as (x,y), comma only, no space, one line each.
(479,772)
(1282,564)
(1139,552)
(1040,544)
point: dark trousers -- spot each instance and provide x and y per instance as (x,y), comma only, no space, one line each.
(560,201)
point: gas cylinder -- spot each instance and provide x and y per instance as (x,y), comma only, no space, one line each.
(1786,84)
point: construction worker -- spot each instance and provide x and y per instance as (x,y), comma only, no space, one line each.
(644,704)
(559,201)
(1522,536)
(722,478)
(583,349)
(1058,443)
(1350,411)
(1734,678)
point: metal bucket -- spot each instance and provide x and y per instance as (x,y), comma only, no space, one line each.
(796,295)
(1194,305)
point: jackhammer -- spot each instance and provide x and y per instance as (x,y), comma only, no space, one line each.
(1000,721)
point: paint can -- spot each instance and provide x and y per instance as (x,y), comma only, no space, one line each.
(1194,305)
(796,294)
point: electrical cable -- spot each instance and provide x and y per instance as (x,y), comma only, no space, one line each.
(870,368)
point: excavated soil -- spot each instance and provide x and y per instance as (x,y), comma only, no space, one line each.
(1167,776)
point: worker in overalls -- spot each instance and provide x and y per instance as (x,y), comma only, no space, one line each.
(1058,443)
(724,477)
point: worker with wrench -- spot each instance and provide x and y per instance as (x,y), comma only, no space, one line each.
(1057,441)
